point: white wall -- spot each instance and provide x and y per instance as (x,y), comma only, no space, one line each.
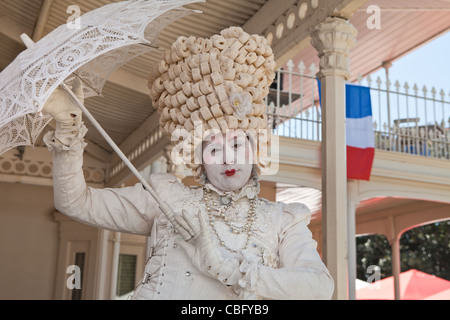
(28,242)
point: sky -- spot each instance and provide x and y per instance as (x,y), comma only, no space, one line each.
(428,65)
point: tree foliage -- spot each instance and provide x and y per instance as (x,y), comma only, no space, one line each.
(425,248)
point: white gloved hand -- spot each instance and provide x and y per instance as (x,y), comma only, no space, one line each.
(204,256)
(65,112)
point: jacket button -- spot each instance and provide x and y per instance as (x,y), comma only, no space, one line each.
(187,273)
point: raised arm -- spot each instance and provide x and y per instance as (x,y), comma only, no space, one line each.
(129,209)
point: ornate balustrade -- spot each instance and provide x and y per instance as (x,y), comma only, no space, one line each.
(405,119)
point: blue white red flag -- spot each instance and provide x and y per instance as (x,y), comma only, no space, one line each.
(359,132)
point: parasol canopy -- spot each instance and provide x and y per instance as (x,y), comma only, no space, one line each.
(414,285)
(108,37)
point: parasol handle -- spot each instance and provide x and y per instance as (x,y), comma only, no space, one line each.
(111,142)
(184,230)
(165,208)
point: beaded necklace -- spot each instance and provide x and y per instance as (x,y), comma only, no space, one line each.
(236,230)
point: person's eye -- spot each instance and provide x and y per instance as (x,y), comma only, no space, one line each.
(215,151)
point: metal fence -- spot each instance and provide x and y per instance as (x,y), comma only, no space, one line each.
(405,119)
(293,108)
(410,120)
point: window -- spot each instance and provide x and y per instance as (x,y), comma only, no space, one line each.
(126,275)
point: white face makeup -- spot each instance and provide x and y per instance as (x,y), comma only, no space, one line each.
(228,160)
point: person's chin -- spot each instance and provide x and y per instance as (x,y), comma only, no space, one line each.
(226,186)
(234,185)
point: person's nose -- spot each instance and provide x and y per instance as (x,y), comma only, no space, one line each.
(229,156)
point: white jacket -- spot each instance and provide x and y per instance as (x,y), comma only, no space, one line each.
(281,261)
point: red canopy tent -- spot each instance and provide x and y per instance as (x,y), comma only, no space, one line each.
(414,285)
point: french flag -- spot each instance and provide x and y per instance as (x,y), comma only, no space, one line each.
(359,131)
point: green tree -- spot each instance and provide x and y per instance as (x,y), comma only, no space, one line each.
(425,248)
(373,250)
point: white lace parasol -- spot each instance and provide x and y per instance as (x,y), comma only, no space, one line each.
(108,37)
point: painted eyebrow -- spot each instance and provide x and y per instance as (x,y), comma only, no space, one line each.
(213,145)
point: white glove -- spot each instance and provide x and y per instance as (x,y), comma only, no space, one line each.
(205,257)
(65,112)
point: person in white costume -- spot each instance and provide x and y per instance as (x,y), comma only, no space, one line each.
(242,246)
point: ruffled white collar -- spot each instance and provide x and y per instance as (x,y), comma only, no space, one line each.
(250,190)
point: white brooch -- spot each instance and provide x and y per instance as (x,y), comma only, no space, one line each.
(242,104)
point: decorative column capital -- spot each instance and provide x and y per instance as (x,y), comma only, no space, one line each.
(333,39)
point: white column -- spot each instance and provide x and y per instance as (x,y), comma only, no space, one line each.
(115,265)
(102,281)
(394,241)
(333,39)
(395,247)
(352,202)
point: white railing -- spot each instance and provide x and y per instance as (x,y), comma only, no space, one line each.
(293,107)
(406,119)
(410,120)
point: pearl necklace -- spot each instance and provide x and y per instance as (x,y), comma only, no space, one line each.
(247,228)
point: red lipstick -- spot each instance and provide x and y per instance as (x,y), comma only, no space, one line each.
(230,173)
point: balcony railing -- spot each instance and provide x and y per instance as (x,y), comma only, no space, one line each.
(405,118)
